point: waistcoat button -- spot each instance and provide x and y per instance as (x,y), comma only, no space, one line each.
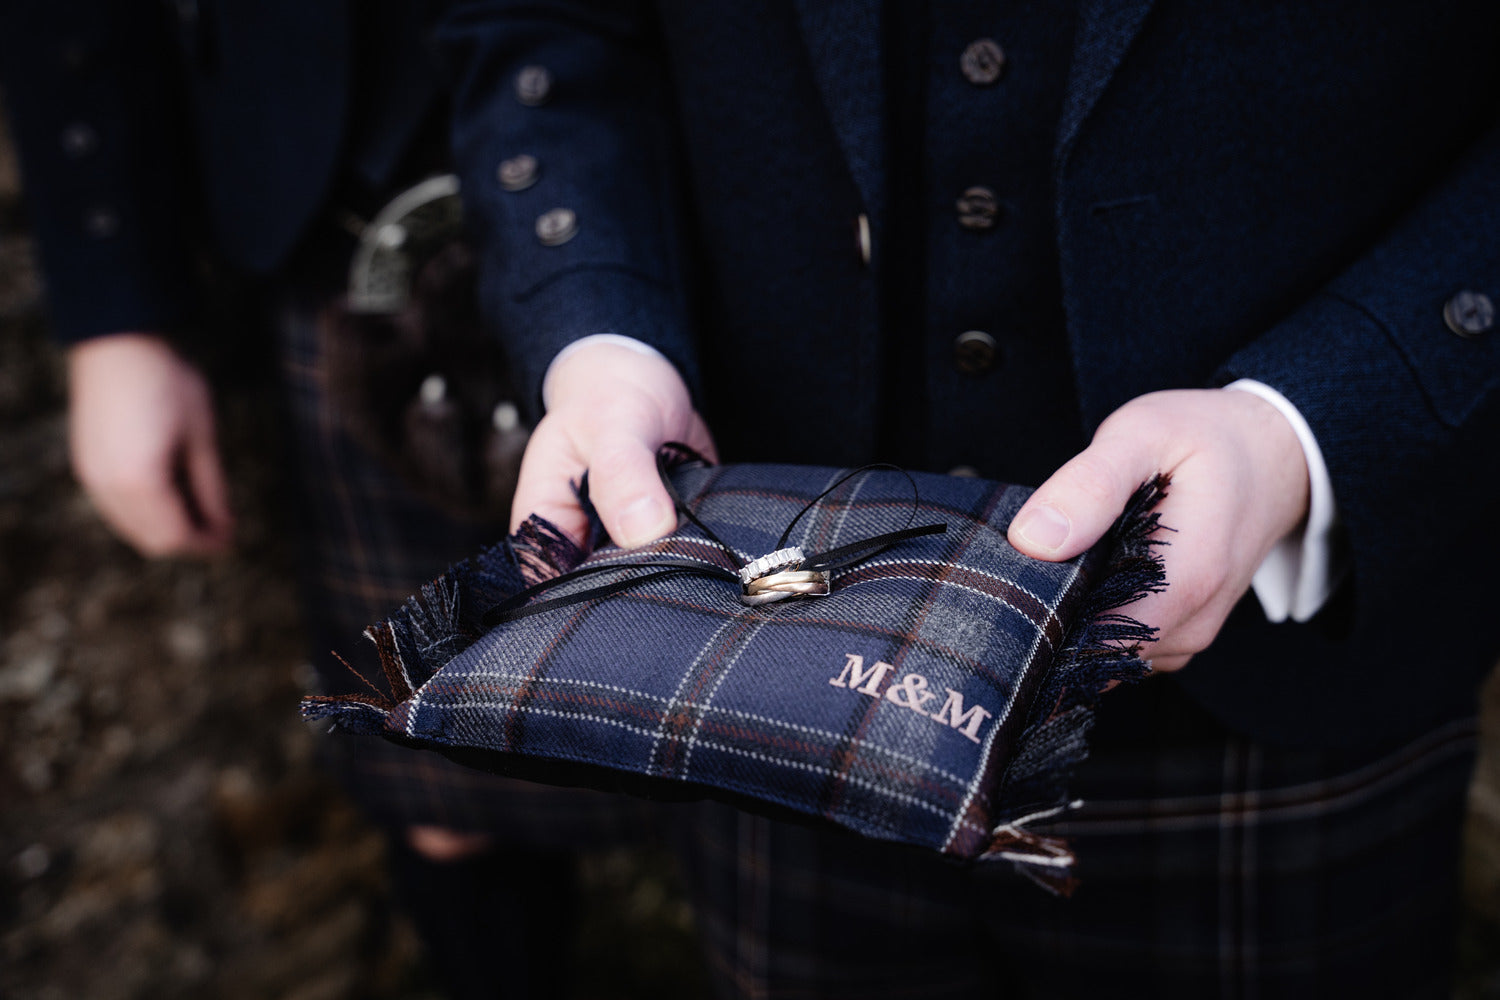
(982,62)
(556,227)
(1469,314)
(533,86)
(975,352)
(518,173)
(978,208)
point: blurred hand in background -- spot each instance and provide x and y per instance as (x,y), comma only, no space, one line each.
(142,441)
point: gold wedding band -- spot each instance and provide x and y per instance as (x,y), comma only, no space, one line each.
(789,583)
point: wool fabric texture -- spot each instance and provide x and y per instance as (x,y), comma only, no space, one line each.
(937,697)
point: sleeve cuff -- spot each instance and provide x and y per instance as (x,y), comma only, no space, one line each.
(1301,572)
(619,340)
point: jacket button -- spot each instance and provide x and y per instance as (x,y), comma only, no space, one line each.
(556,227)
(982,62)
(533,86)
(518,173)
(978,208)
(1469,314)
(975,352)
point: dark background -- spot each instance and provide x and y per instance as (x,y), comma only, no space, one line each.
(163,832)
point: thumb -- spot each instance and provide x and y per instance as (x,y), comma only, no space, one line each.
(626,490)
(1075,507)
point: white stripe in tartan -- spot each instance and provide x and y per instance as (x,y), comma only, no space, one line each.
(692,741)
(692,671)
(1040,629)
(999,724)
(734,712)
(842,507)
(967,568)
(872,786)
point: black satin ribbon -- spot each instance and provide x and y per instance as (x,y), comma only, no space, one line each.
(665,567)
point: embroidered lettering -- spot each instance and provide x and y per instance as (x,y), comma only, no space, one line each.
(911,692)
(854,675)
(966,721)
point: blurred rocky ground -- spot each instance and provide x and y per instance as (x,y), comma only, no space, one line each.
(162,830)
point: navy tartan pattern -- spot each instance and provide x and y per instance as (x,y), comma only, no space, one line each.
(367,542)
(1210,865)
(678,681)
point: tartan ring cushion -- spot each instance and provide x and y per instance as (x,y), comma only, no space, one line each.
(938,695)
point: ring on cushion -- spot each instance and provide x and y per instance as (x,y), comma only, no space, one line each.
(789,583)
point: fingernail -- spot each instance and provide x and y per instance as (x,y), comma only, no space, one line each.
(1044,526)
(642,521)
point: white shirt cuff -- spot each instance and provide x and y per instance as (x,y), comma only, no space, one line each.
(619,340)
(1300,573)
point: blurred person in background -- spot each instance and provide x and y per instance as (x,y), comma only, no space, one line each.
(164,141)
(1075,243)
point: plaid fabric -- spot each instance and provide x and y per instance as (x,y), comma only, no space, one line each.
(927,700)
(368,542)
(1210,866)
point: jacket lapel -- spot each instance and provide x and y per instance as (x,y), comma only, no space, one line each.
(844,40)
(1105,30)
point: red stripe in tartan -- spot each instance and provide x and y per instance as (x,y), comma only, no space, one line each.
(738,735)
(514,730)
(680,721)
(666,594)
(1033,610)
(847,754)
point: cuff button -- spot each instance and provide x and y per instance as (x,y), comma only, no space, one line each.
(533,86)
(1469,314)
(556,227)
(518,173)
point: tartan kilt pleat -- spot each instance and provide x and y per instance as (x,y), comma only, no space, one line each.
(1209,865)
(367,542)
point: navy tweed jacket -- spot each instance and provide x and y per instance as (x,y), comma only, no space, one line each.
(1285,192)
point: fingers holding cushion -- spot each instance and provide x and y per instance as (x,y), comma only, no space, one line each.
(609,409)
(1238,486)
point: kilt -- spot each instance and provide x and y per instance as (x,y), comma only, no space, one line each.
(1210,866)
(367,542)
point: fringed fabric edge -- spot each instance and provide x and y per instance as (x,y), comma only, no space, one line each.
(1103,646)
(443,620)
(445,617)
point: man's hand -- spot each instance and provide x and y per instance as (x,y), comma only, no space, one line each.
(141,436)
(608,409)
(1239,484)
